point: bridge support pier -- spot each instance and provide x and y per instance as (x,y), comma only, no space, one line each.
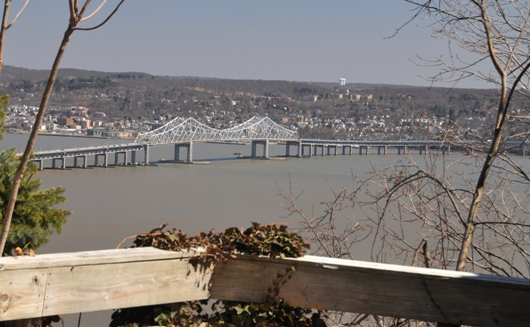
(105,159)
(189,151)
(385,149)
(301,150)
(84,161)
(265,148)
(332,147)
(288,145)
(41,164)
(426,149)
(63,163)
(349,147)
(446,149)
(146,154)
(315,149)
(365,147)
(405,149)
(117,158)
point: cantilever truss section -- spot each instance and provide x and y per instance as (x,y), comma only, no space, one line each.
(187,130)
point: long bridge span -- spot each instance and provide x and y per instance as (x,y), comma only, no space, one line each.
(258,131)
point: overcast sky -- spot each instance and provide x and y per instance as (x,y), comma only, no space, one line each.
(294,40)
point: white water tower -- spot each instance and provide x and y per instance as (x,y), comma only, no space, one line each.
(342,81)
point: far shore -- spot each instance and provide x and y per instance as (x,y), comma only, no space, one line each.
(71,135)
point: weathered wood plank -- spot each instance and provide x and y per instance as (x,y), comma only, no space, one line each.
(101,280)
(89,257)
(81,282)
(389,290)
(22,294)
(100,287)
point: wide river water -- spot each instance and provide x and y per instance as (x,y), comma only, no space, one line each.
(109,204)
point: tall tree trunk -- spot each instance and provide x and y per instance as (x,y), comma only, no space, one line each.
(3,30)
(8,215)
(502,109)
(467,240)
(77,15)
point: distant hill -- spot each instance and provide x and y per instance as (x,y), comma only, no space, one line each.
(13,74)
(144,97)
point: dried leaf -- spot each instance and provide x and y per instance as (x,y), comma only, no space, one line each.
(19,251)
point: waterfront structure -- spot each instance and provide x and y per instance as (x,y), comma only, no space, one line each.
(188,130)
(180,132)
(258,131)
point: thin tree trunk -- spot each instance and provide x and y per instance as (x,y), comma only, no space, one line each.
(76,16)
(3,30)
(6,223)
(467,240)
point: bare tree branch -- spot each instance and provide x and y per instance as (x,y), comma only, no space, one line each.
(75,17)
(18,14)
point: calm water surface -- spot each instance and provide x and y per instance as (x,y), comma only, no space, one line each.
(110,204)
(113,203)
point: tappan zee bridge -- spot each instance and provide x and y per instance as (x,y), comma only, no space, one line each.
(183,133)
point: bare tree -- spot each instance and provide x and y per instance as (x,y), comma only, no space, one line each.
(488,40)
(465,212)
(6,25)
(78,14)
(494,31)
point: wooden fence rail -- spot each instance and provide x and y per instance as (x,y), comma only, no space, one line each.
(55,284)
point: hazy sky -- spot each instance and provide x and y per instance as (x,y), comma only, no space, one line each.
(295,40)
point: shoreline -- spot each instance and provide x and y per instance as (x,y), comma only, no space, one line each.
(74,135)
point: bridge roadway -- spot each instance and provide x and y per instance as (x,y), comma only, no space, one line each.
(99,152)
(125,154)
(327,146)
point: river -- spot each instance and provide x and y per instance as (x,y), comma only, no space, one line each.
(109,204)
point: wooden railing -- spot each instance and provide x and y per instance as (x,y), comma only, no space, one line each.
(55,284)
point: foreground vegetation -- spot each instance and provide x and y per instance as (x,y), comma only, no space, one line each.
(270,241)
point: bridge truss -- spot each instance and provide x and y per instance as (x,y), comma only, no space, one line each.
(187,130)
